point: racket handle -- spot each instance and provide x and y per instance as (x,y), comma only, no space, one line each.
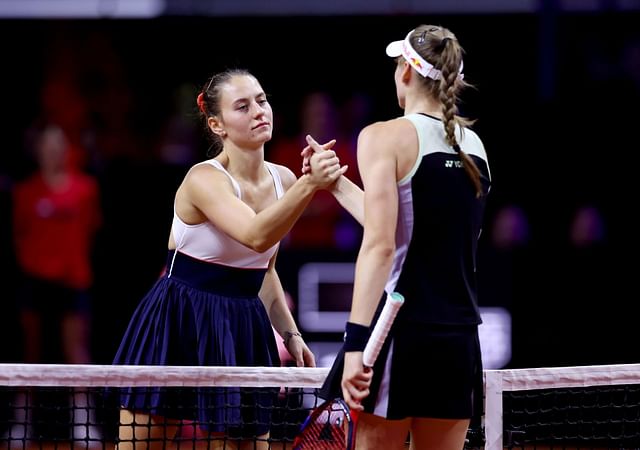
(381,329)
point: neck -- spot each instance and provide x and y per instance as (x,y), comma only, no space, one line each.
(425,105)
(245,164)
(54,178)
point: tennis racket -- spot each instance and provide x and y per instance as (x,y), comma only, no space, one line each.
(332,425)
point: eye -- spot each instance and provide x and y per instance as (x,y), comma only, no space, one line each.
(242,107)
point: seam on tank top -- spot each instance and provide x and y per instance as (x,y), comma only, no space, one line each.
(178,246)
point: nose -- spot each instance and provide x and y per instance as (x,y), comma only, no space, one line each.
(258,109)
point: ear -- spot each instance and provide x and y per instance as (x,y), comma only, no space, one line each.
(407,72)
(216,126)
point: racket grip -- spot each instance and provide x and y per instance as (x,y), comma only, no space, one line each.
(381,329)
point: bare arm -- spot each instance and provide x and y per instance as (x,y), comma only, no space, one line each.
(345,191)
(207,194)
(350,197)
(378,169)
(377,163)
(273,296)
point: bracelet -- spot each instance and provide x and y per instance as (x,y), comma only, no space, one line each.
(288,335)
(356,337)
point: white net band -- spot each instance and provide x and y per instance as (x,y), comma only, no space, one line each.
(88,375)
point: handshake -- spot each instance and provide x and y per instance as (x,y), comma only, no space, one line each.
(326,158)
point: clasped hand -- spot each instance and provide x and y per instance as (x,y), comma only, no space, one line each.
(317,158)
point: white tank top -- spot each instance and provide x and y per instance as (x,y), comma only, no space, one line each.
(207,243)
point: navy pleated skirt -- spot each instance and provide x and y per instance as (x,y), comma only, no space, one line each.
(202,314)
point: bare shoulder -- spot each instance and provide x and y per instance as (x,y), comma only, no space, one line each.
(386,133)
(286,175)
(204,176)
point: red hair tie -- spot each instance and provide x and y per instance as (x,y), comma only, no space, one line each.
(200,101)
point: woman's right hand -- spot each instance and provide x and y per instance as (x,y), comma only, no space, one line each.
(312,148)
(324,164)
(356,380)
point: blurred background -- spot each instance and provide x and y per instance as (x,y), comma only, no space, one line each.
(557,86)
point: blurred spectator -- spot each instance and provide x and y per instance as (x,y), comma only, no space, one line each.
(56,213)
(587,227)
(588,275)
(505,267)
(62,100)
(508,237)
(180,137)
(356,113)
(510,228)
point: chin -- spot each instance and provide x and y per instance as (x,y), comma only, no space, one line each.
(266,136)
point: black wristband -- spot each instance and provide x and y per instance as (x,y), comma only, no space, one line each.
(356,337)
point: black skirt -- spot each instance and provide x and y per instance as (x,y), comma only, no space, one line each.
(423,370)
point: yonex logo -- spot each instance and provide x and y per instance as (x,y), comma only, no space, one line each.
(452,163)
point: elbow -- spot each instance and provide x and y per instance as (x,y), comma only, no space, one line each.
(259,244)
(387,251)
(259,240)
(261,248)
(382,250)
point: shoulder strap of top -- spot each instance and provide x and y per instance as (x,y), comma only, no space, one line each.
(277,181)
(418,122)
(215,163)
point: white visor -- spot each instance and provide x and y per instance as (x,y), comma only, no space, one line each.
(404,49)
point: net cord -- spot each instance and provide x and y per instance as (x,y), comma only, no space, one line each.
(94,375)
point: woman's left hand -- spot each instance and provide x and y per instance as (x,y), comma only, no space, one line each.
(300,352)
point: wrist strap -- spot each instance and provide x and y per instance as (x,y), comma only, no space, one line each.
(356,337)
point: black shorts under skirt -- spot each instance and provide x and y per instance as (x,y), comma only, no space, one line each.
(432,371)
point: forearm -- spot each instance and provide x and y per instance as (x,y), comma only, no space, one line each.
(372,271)
(282,319)
(350,197)
(274,299)
(271,224)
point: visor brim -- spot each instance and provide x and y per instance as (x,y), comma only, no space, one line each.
(394,49)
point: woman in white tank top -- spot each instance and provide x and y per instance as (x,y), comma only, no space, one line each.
(220,296)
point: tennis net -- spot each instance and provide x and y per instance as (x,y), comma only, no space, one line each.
(584,407)
(78,406)
(48,406)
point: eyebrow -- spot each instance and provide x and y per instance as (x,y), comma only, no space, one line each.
(247,99)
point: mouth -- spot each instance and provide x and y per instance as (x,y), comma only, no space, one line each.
(261,125)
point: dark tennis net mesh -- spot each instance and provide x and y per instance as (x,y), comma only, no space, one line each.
(589,407)
(79,406)
(54,407)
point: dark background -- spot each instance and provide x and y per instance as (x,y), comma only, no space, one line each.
(557,108)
